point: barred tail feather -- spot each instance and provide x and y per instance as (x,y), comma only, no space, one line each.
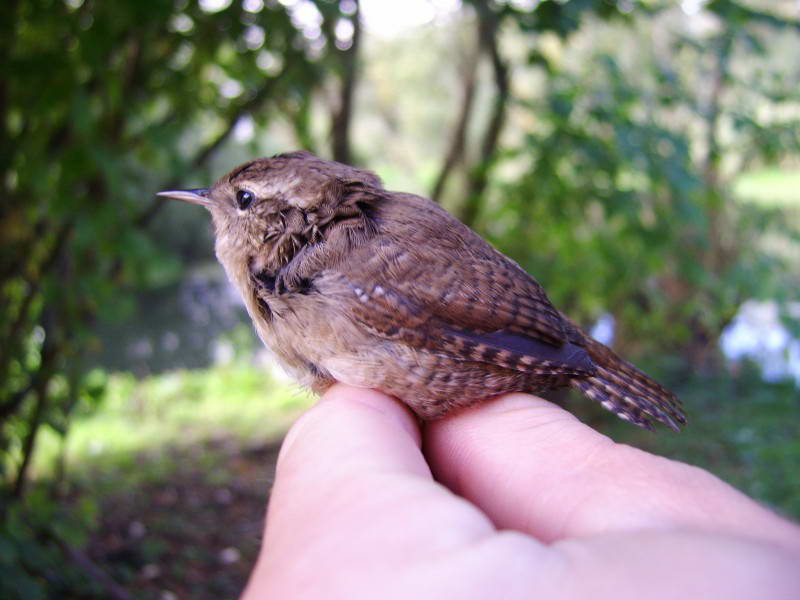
(628,392)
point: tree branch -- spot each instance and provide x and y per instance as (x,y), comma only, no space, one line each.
(250,105)
(49,352)
(714,110)
(488,24)
(340,127)
(11,336)
(113,589)
(455,152)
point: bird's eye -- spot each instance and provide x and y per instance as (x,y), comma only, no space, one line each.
(244,198)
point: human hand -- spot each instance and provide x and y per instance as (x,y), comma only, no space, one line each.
(532,503)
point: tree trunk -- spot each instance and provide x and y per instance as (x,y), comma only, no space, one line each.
(340,127)
(479,176)
(455,152)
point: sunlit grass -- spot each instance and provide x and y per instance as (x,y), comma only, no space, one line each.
(741,428)
(142,418)
(772,186)
(149,431)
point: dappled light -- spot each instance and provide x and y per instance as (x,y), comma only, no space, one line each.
(640,158)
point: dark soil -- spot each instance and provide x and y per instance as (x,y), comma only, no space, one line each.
(192,533)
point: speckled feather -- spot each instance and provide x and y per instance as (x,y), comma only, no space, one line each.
(347,281)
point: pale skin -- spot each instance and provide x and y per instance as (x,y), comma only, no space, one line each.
(512,499)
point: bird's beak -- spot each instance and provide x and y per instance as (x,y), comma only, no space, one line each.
(196,196)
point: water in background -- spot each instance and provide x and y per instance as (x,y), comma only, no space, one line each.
(182,326)
(185,326)
(758,334)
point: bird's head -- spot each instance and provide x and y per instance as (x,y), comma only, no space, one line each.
(265,210)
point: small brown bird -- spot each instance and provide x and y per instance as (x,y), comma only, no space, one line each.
(346,281)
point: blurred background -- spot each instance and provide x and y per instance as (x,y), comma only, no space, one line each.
(640,157)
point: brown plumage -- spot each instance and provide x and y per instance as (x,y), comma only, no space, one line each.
(346,281)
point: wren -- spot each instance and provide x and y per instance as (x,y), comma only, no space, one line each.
(346,281)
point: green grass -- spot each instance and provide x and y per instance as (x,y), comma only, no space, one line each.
(742,429)
(771,186)
(139,418)
(168,472)
(187,458)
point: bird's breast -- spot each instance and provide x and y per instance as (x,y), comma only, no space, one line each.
(306,333)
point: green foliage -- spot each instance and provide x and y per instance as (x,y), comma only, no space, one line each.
(741,429)
(101,105)
(612,175)
(141,440)
(620,199)
(32,558)
(770,186)
(178,408)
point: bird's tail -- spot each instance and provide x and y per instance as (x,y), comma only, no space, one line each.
(628,392)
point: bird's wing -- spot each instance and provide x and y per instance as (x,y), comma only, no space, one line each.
(474,304)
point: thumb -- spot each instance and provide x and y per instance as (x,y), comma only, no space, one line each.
(533,467)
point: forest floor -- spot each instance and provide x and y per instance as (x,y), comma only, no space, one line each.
(164,488)
(171,478)
(193,532)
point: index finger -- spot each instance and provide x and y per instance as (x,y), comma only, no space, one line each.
(353,492)
(533,467)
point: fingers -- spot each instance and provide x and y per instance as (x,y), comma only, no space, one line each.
(533,467)
(355,430)
(354,510)
(668,565)
(340,454)
(353,492)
